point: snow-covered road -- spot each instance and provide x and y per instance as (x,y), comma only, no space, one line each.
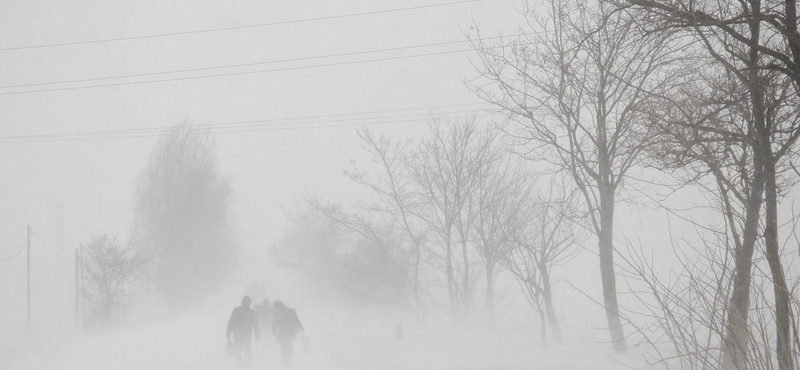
(197,342)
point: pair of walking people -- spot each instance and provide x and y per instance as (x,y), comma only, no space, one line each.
(244,325)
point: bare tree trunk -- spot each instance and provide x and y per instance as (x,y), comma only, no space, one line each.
(782,298)
(417,301)
(607,276)
(449,272)
(734,346)
(490,293)
(763,130)
(735,340)
(543,327)
(465,283)
(735,343)
(547,296)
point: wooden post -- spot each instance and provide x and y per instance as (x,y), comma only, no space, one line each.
(29,278)
(77,296)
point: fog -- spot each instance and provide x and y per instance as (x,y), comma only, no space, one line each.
(466,184)
(339,337)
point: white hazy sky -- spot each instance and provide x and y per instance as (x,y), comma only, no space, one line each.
(68,190)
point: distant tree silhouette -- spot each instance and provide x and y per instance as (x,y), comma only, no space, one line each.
(182,217)
(110,273)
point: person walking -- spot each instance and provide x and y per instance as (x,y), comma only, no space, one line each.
(285,327)
(243,324)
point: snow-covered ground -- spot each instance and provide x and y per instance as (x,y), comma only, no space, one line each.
(196,341)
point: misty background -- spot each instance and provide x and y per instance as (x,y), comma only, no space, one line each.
(217,149)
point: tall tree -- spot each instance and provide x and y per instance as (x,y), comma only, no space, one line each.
(576,84)
(397,197)
(702,133)
(502,194)
(445,169)
(182,217)
(545,235)
(756,43)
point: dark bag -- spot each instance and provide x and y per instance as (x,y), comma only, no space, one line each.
(229,351)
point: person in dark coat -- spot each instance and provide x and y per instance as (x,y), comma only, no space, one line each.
(285,327)
(243,324)
(265,313)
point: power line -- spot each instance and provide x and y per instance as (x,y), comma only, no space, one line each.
(238,27)
(327,117)
(48,247)
(226,132)
(336,125)
(162,129)
(146,74)
(235,73)
(15,254)
(230,130)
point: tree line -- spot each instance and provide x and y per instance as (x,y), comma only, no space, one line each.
(441,219)
(702,93)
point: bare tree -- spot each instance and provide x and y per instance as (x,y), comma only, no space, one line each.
(500,198)
(110,273)
(379,260)
(766,28)
(182,218)
(311,245)
(473,179)
(577,91)
(398,197)
(756,46)
(360,256)
(688,309)
(706,135)
(445,170)
(546,236)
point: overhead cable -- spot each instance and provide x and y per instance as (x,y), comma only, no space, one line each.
(48,247)
(233,73)
(251,64)
(261,122)
(127,134)
(279,23)
(15,254)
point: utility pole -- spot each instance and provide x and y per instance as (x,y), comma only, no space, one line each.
(29,278)
(82,276)
(77,266)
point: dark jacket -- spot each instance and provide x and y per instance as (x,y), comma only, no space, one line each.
(286,325)
(242,324)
